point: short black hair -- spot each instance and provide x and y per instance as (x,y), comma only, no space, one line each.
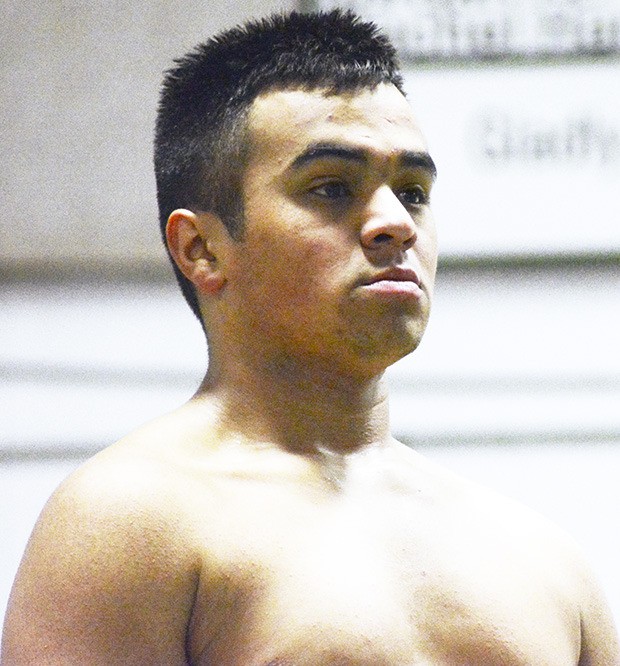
(200,136)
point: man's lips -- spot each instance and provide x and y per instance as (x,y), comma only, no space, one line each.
(395,281)
(395,275)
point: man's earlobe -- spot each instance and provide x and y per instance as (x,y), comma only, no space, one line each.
(191,239)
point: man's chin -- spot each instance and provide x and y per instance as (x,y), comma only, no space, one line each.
(378,358)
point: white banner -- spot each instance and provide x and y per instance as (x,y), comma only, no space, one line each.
(431,29)
(528,158)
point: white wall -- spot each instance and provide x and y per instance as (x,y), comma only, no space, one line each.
(80,85)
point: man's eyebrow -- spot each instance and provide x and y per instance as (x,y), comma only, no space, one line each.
(325,151)
(419,160)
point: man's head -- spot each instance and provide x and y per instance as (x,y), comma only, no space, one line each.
(201,141)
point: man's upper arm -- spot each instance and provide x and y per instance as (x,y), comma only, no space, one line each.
(599,638)
(103,581)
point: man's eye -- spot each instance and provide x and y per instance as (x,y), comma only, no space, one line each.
(332,190)
(415,195)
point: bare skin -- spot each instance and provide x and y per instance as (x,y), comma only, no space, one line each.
(273,520)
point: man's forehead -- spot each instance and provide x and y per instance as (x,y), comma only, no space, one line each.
(290,119)
(303,104)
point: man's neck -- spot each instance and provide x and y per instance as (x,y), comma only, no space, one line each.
(300,406)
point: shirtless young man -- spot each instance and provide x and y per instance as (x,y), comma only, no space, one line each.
(273,519)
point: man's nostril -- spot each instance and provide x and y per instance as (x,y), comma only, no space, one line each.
(382,238)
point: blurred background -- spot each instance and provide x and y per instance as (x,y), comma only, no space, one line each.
(517,383)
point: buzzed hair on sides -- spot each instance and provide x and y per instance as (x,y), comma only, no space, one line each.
(200,136)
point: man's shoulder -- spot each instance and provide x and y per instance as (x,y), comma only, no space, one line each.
(490,519)
(121,505)
(500,554)
(136,492)
(113,487)
(111,553)
(146,474)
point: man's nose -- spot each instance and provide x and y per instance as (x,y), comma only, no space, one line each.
(388,225)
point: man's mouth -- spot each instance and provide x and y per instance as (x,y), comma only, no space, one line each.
(395,282)
(396,274)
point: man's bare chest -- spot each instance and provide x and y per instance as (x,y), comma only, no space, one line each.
(356,587)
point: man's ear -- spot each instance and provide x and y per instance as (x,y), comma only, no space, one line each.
(193,241)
